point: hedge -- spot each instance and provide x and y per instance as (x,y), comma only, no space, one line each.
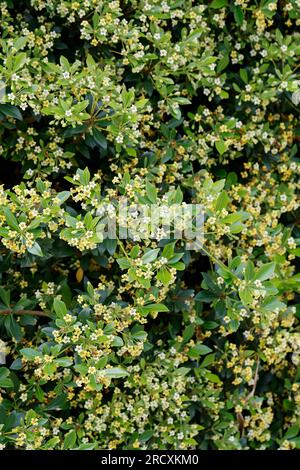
(145,343)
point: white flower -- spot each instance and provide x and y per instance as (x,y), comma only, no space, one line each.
(296,97)
(29,172)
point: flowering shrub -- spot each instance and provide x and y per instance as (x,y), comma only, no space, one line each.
(143,343)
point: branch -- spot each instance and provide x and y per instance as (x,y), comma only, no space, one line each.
(239,416)
(37,313)
(256,377)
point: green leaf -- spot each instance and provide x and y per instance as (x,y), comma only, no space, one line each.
(134,252)
(212,377)
(16,364)
(246,295)
(5,381)
(231,179)
(221,146)
(141,103)
(272,303)
(115,372)
(123,263)
(218,4)
(178,196)
(99,138)
(138,334)
(13,327)
(35,250)
(131,151)
(238,15)
(30,354)
(164,275)
(236,217)
(153,308)
(20,42)
(244,75)
(175,258)
(11,111)
(111,245)
(30,415)
(208,360)
(198,350)
(151,192)
(249,271)
(222,201)
(292,432)
(85,176)
(296,441)
(77,108)
(63,196)
(87,446)
(51,443)
(174,110)
(5,296)
(181,100)
(127,97)
(168,250)
(223,62)
(19,61)
(64,361)
(11,219)
(237,227)
(117,342)
(58,403)
(188,333)
(60,308)
(50,368)
(150,256)
(146,435)
(70,439)
(144,282)
(64,63)
(265,272)
(179,266)
(182,371)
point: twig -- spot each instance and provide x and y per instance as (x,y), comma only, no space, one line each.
(122,248)
(256,377)
(239,416)
(37,313)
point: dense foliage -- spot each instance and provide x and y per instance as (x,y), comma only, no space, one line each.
(143,343)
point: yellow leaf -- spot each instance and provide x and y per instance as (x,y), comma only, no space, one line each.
(79,274)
